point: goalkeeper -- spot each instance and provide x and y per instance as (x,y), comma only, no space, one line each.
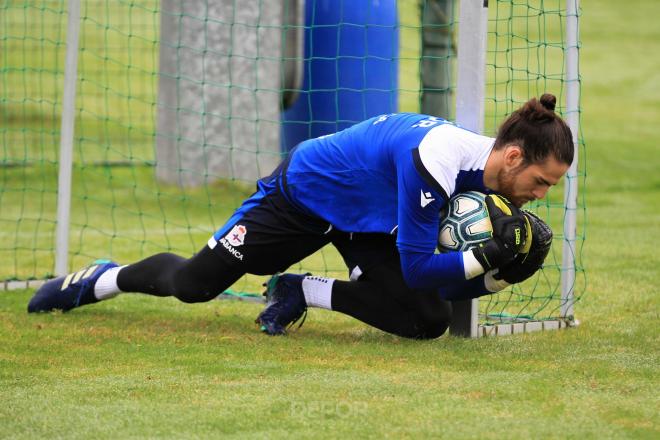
(375,192)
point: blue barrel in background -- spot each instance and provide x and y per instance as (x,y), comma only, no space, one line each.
(350,68)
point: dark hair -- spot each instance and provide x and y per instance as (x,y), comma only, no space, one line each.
(538,130)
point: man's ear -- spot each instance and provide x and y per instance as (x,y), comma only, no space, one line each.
(513,156)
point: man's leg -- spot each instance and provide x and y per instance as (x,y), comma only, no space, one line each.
(264,236)
(265,239)
(377,293)
(197,279)
(381,298)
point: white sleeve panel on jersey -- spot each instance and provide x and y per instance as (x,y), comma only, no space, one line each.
(448,149)
(439,158)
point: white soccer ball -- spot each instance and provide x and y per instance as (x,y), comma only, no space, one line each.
(464,222)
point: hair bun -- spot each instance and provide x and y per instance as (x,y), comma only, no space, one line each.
(548,100)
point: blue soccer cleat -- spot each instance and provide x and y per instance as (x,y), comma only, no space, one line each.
(286,304)
(70,291)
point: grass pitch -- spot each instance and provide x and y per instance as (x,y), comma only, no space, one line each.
(147,367)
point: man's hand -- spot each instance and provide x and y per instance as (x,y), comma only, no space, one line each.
(510,231)
(527,263)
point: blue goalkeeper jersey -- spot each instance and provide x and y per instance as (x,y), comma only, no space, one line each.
(392,174)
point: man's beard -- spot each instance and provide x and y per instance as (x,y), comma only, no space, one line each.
(506,184)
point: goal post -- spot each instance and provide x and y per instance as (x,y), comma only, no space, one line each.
(569,250)
(66,138)
(470,93)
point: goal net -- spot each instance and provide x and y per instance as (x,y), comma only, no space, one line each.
(180,106)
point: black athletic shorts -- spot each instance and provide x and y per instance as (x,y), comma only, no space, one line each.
(271,234)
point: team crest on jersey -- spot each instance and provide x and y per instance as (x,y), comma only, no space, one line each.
(236,236)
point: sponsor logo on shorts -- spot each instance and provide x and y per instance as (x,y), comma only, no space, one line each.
(236,236)
(231,249)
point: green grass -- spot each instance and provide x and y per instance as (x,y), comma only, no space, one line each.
(152,367)
(148,367)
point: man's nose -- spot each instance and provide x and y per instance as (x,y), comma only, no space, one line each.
(540,192)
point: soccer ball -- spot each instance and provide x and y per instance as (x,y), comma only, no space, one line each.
(464,222)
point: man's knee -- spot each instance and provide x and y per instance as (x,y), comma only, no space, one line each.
(433,330)
(432,320)
(191,288)
(422,330)
(191,297)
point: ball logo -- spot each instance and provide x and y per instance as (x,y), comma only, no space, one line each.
(464,223)
(236,236)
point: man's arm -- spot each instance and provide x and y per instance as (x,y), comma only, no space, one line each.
(419,204)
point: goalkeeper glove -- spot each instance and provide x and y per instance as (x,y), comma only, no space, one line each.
(510,231)
(527,263)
